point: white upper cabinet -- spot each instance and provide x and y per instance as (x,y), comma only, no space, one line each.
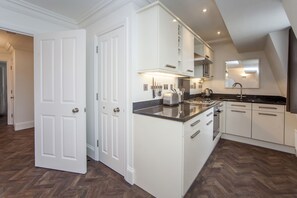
(157,40)
(187,52)
(203,53)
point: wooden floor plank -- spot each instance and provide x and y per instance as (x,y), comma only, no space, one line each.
(233,170)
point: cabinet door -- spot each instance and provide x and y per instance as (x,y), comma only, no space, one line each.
(187,52)
(168,41)
(208,53)
(193,156)
(268,126)
(238,122)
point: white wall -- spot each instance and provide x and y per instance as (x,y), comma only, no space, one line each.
(227,51)
(290,8)
(276,50)
(23,89)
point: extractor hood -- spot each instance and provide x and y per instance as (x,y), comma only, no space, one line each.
(201,60)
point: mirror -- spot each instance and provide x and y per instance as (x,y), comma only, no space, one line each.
(245,72)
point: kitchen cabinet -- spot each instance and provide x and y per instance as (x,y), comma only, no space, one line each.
(157,39)
(202,52)
(170,154)
(197,146)
(268,123)
(239,119)
(187,52)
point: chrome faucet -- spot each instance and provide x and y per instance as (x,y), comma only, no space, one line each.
(234,85)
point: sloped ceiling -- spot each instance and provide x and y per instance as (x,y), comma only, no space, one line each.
(249,22)
(290,7)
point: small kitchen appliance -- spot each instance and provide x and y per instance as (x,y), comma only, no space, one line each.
(170,99)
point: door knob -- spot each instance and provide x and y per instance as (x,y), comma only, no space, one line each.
(116,110)
(75,110)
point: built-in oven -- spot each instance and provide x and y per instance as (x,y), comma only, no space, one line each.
(216,119)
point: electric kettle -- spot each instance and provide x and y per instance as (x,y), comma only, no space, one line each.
(208,92)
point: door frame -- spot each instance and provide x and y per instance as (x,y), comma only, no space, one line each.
(123,24)
(10,85)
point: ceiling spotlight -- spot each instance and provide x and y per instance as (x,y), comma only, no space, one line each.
(218,32)
(204,10)
(174,20)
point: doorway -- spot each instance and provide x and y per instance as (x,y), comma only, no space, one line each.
(17,52)
(3,92)
(111,120)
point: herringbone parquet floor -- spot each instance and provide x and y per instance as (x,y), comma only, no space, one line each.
(233,170)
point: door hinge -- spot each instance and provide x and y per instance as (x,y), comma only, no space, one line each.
(97,49)
(97,143)
(11,115)
(97,96)
(85,109)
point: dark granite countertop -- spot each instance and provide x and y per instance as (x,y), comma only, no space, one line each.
(264,99)
(186,111)
(181,113)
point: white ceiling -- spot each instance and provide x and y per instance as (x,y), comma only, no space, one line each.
(206,25)
(247,21)
(250,21)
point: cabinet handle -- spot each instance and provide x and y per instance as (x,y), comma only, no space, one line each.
(238,111)
(195,123)
(195,134)
(234,105)
(209,123)
(209,114)
(188,70)
(261,107)
(171,66)
(267,114)
(206,56)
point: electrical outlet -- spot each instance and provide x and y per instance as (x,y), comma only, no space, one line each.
(194,85)
(145,87)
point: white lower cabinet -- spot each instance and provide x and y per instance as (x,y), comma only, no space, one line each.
(197,146)
(268,123)
(168,155)
(239,119)
(265,122)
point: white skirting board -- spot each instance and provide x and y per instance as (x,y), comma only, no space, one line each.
(23,125)
(278,147)
(91,152)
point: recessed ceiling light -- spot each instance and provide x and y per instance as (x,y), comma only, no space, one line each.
(218,32)
(174,20)
(204,10)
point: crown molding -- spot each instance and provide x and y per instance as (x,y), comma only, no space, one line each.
(89,13)
(21,7)
(38,9)
(101,9)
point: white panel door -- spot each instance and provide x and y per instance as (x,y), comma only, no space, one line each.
(112,86)
(60,100)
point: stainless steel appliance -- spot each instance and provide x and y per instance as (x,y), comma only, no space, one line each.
(208,92)
(170,99)
(216,119)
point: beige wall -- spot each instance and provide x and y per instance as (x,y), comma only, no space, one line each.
(23,89)
(227,51)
